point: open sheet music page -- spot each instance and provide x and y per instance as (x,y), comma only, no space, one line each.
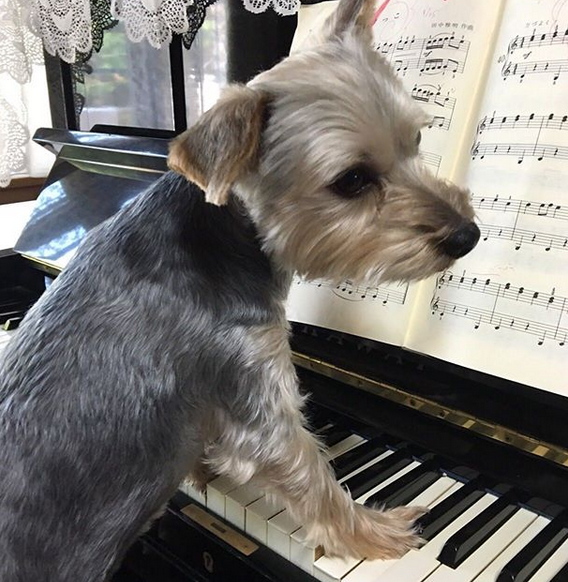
(503,309)
(440,49)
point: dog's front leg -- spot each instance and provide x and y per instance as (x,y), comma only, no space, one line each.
(266,437)
(300,474)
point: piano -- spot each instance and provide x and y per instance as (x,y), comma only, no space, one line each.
(488,457)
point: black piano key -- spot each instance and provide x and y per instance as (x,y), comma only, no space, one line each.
(378,472)
(407,487)
(442,514)
(471,536)
(358,456)
(318,422)
(562,575)
(334,435)
(536,552)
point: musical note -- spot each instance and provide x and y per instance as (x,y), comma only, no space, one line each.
(543,314)
(440,106)
(347,290)
(522,236)
(532,121)
(437,54)
(497,203)
(538,40)
(516,63)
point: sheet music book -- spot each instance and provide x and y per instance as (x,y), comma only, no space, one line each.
(493,74)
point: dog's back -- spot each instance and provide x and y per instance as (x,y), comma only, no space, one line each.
(99,386)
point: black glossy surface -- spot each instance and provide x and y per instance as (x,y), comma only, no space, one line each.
(522,567)
(494,399)
(431,524)
(377,473)
(357,457)
(405,488)
(470,537)
(93,177)
(335,435)
(562,575)
(20,286)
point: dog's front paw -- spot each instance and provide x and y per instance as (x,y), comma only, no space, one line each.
(200,475)
(376,533)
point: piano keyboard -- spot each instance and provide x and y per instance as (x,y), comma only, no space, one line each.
(477,530)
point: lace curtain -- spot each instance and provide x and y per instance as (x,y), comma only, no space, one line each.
(21,76)
(66,25)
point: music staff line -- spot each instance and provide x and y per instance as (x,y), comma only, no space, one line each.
(520,151)
(549,301)
(532,121)
(442,106)
(419,54)
(553,66)
(430,43)
(539,124)
(521,236)
(500,320)
(538,40)
(516,64)
(517,206)
(433,160)
(350,292)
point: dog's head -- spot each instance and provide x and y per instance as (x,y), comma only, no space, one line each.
(324,151)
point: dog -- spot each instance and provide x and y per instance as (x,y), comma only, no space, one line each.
(162,349)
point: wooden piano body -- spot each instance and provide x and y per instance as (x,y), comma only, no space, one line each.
(401,427)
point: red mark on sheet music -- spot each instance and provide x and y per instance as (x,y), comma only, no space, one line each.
(380,10)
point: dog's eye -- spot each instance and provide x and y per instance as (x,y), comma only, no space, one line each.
(353,182)
(418,138)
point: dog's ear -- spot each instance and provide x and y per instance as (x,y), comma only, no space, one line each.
(352,15)
(224,143)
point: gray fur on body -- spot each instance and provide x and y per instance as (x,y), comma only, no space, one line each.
(101,386)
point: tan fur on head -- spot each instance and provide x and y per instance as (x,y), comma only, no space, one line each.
(223,144)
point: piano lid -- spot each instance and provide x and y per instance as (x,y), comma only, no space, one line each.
(93,176)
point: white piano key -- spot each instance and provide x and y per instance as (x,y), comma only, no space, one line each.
(553,565)
(236,502)
(487,552)
(188,488)
(417,565)
(279,530)
(333,569)
(492,571)
(345,445)
(388,481)
(436,492)
(257,515)
(217,489)
(380,457)
(302,553)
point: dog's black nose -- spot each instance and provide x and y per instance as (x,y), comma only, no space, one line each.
(461,241)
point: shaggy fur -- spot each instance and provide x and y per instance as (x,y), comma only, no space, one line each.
(162,350)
